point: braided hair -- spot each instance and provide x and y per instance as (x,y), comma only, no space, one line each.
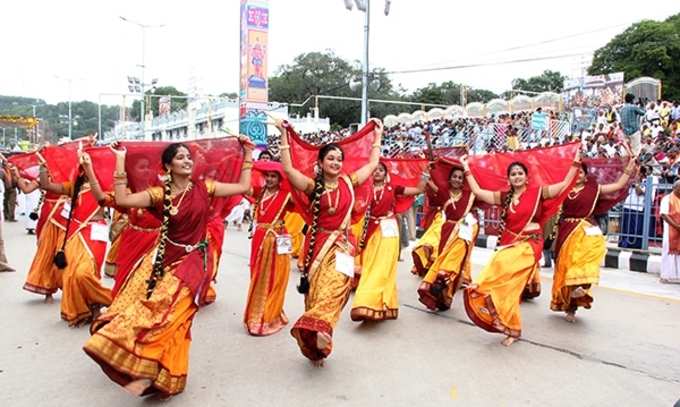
(34,214)
(60,256)
(508,197)
(158,270)
(315,202)
(369,208)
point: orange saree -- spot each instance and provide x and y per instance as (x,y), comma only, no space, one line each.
(269,269)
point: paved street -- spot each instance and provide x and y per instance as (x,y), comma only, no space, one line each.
(623,352)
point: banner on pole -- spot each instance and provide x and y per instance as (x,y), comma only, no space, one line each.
(254,85)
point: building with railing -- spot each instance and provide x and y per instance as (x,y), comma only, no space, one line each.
(205,118)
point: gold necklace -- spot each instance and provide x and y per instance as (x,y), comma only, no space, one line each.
(454,197)
(381,188)
(263,208)
(174,209)
(332,208)
(575,192)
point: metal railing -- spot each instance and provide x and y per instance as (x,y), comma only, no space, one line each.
(634,224)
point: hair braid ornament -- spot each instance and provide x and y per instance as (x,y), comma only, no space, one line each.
(303,287)
(158,270)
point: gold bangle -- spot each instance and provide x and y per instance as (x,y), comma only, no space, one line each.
(120,182)
(376,145)
(284,147)
(466,173)
(119,174)
(576,164)
(247,166)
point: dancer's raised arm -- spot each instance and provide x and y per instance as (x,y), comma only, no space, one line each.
(482,194)
(366,171)
(299,180)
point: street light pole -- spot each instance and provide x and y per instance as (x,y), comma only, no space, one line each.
(143,27)
(70,96)
(70,117)
(364,79)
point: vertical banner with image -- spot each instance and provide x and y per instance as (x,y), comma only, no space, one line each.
(254,85)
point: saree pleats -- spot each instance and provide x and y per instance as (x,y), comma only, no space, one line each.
(147,338)
(294,225)
(376,296)
(268,282)
(493,303)
(577,265)
(81,285)
(43,277)
(450,269)
(111,256)
(426,249)
(328,294)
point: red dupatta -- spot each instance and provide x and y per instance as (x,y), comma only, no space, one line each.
(27,163)
(356,152)
(136,240)
(546,166)
(574,208)
(403,172)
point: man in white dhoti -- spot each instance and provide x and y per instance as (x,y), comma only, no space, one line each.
(670,251)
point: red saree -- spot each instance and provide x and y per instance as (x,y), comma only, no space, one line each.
(328,288)
(269,270)
(137,239)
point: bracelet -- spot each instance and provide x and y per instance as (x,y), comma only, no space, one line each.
(629,173)
(246,162)
(284,147)
(119,174)
(120,182)
(376,145)
(466,173)
(247,166)
(576,164)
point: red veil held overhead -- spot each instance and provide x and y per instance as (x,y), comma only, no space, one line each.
(217,158)
(546,166)
(356,151)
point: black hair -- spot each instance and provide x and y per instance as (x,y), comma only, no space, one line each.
(158,270)
(315,203)
(508,197)
(60,256)
(629,98)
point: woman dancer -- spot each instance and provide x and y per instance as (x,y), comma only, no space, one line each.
(426,248)
(270,253)
(83,246)
(458,236)
(145,347)
(376,296)
(492,302)
(580,246)
(328,265)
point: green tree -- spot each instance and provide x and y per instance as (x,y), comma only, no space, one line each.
(648,48)
(448,93)
(324,73)
(548,81)
(54,118)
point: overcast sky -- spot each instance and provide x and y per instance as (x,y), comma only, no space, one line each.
(86,40)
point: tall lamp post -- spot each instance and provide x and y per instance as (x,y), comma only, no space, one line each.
(70,117)
(365,6)
(140,82)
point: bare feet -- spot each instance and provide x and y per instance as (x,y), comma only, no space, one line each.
(317,363)
(137,387)
(49,299)
(509,340)
(570,317)
(578,292)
